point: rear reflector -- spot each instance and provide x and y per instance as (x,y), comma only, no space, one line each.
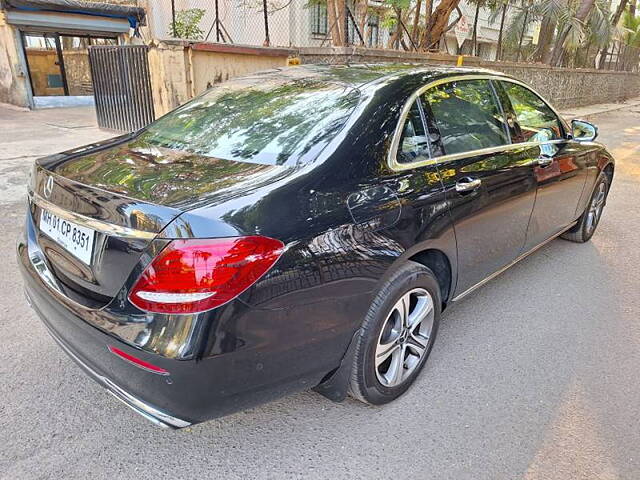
(149,367)
(191,276)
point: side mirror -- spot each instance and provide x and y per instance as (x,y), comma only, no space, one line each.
(583,131)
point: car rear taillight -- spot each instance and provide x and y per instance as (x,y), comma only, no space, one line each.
(191,276)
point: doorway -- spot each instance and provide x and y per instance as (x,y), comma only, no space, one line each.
(58,66)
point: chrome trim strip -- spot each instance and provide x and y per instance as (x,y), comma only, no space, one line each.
(98,225)
(152,414)
(509,265)
(392,157)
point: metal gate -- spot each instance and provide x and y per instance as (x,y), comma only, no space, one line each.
(121,86)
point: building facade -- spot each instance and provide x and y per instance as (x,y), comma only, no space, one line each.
(44,58)
(305,23)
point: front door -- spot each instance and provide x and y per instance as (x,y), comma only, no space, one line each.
(489,183)
(560,167)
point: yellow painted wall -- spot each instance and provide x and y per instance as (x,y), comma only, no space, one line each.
(42,63)
(168,72)
(210,68)
(13,81)
(179,72)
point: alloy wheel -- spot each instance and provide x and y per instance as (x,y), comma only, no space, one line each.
(404,339)
(595,209)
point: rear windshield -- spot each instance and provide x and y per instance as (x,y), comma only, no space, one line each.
(269,121)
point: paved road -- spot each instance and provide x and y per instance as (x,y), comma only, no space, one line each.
(534,376)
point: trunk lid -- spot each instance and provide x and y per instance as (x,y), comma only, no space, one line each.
(126,193)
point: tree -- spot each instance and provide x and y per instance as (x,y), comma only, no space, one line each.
(503,5)
(615,19)
(545,38)
(573,26)
(474,33)
(520,24)
(631,39)
(336,17)
(437,25)
(413,22)
(187,24)
(416,21)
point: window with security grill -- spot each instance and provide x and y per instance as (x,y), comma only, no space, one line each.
(319,23)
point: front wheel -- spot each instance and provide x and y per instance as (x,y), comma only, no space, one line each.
(589,220)
(397,335)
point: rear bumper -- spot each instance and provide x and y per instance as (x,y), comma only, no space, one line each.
(88,339)
(151,413)
(263,364)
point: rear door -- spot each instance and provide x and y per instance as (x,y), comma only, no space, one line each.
(560,168)
(489,183)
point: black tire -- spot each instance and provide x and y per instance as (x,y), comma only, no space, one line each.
(409,281)
(587,225)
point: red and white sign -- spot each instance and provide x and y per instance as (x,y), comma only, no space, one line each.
(462,30)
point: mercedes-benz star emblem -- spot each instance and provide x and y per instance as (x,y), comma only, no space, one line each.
(48,187)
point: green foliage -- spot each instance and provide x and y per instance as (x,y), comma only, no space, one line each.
(631,25)
(187,24)
(599,30)
(402,4)
(520,20)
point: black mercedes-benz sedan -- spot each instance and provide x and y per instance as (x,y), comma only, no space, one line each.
(298,228)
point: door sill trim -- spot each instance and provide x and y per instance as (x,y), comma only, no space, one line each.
(509,265)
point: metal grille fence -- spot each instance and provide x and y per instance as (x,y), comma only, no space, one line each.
(277,23)
(122,86)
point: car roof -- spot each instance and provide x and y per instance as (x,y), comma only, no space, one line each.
(359,75)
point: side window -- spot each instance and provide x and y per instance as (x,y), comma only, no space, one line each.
(537,121)
(467,115)
(414,145)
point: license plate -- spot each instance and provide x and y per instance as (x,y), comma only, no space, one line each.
(76,239)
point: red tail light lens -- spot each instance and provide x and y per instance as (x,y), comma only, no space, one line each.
(191,276)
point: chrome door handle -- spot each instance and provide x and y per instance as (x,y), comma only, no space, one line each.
(467,184)
(544,160)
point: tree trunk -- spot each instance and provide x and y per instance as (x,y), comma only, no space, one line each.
(502,17)
(335,12)
(524,27)
(428,10)
(437,24)
(585,61)
(620,10)
(547,28)
(558,50)
(361,19)
(416,19)
(394,38)
(474,35)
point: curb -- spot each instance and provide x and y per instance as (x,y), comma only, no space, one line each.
(584,112)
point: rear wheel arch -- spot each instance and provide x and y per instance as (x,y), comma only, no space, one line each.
(438,262)
(335,384)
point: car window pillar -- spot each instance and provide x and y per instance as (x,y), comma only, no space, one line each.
(515,132)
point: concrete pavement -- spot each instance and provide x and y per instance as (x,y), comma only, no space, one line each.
(534,376)
(26,135)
